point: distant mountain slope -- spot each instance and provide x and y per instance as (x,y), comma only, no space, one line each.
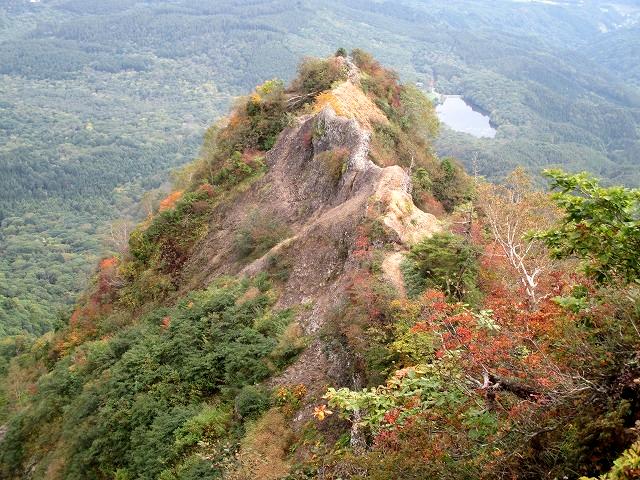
(619,53)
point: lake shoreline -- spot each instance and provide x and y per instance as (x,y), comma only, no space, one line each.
(464,116)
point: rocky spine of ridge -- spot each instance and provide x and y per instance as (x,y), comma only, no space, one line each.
(323,216)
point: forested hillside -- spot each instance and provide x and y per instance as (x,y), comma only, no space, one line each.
(99,100)
(321,296)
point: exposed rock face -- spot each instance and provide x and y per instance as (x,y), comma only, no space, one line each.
(353,102)
(323,214)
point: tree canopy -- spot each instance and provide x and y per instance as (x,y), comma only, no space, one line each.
(600,225)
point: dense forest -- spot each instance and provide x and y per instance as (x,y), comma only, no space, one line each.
(99,100)
(322,296)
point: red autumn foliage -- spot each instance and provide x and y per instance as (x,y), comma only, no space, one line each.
(429,204)
(514,344)
(361,246)
(107,272)
(83,320)
(208,189)
(382,82)
(165,323)
(107,263)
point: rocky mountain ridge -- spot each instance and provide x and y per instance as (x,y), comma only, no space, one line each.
(321,296)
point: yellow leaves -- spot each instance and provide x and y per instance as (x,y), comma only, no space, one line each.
(406,310)
(266,91)
(295,391)
(289,398)
(282,393)
(328,98)
(300,390)
(321,412)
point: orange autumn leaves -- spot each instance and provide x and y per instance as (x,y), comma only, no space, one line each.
(173,198)
(83,320)
(321,412)
(170,200)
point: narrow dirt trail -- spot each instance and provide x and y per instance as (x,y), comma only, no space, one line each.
(392,272)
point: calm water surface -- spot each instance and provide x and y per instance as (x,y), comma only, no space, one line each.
(459,116)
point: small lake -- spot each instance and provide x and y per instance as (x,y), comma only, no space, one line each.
(459,116)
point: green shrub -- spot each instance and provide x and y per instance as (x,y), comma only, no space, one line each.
(193,468)
(150,442)
(279,267)
(379,83)
(318,74)
(252,401)
(450,184)
(601,226)
(446,262)
(421,180)
(416,113)
(212,422)
(159,249)
(335,162)
(172,232)
(236,168)
(230,151)
(134,402)
(291,342)
(404,140)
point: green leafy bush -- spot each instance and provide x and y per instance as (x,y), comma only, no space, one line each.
(600,225)
(252,401)
(231,149)
(159,248)
(335,162)
(212,422)
(341,52)
(450,184)
(318,74)
(173,231)
(446,262)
